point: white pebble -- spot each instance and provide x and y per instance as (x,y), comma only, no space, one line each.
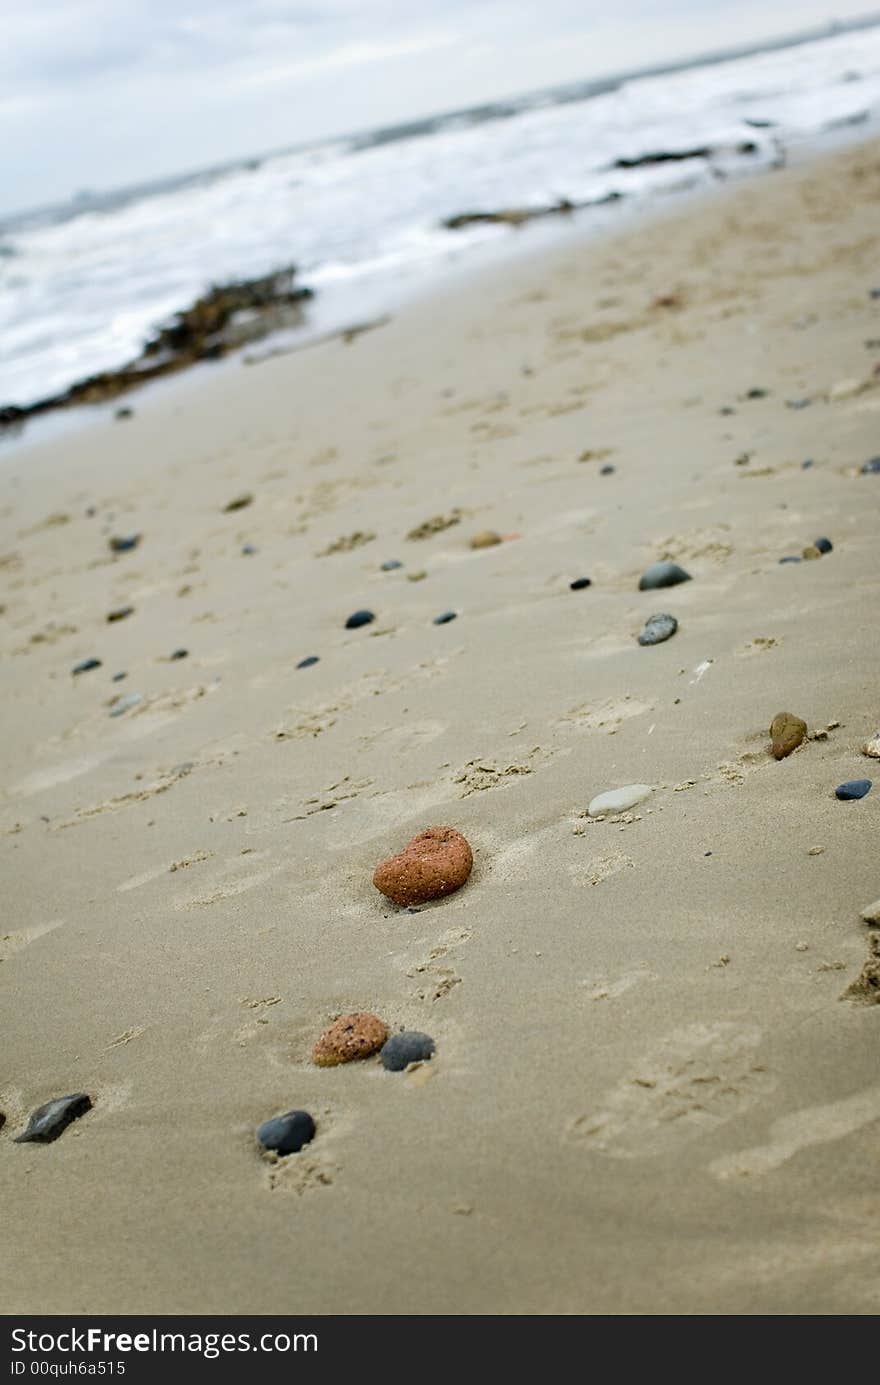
(618,800)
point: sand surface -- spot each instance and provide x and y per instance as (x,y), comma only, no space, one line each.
(648,1096)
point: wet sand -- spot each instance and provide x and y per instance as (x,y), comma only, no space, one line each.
(647,1096)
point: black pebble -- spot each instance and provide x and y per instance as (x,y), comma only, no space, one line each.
(86,665)
(124,543)
(402,1049)
(308,661)
(179,654)
(446,617)
(757,394)
(580,582)
(118,677)
(823,545)
(871,467)
(853,788)
(359,618)
(120,613)
(52,1119)
(288,1133)
(607,470)
(791,558)
(124,412)
(391,564)
(662,575)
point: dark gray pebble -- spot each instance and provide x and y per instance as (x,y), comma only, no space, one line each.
(120,613)
(871,467)
(179,654)
(798,403)
(52,1119)
(662,575)
(391,565)
(86,665)
(607,470)
(446,617)
(124,412)
(308,661)
(875,293)
(402,1049)
(288,1133)
(248,550)
(580,582)
(118,677)
(726,411)
(823,545)
(853,788)
(359,618)
(757,394)
(791,558)
(124,543)
(658,628)
(805,465)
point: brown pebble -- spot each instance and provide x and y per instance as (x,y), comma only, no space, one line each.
(487,538)
(786,733)
(811,551)
(435,863)
(349,1037)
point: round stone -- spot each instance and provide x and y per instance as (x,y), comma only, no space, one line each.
(853,788)
(807,463)
(658,628)
(434,864)
(580,583)
(619,800)
(348,1038)
(823,545)
(662,575)
(308,661)
(786,734)
(248,550)
(403,1049)
(288,1133)
(358,619)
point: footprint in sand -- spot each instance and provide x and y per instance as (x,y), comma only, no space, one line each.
(812,1125)
(225,889)
(695,1080)
(606,716)
(10,943)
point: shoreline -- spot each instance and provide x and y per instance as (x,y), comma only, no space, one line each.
(647,1096)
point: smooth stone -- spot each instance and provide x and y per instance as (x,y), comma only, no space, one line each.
(757,394)
(248,550)
(607,470)
(308,661)
(126,703)
(810,553)
(823,545)
(579,583)
(240,502)
(85,666)
(118,677)
(619,800)
(805,465)
(786,733)
(392,565)
(179,654)
(852,789)
(798,403)
(52,1119)
(120,613)
(288,1133)
(662,575)
(124,543)
(446,617)
(487,538)
(358,619)
(871,467)
(658,628)
(871,912)
(872,746)
(434,864)
(409,1047)
(791,558)
(349,1038)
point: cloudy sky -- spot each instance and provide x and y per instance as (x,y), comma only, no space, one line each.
(101,93)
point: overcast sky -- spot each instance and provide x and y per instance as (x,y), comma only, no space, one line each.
(99,93)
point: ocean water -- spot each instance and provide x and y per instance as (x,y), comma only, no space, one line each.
(82,286)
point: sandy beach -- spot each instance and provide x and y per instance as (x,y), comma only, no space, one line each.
(650,1094)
